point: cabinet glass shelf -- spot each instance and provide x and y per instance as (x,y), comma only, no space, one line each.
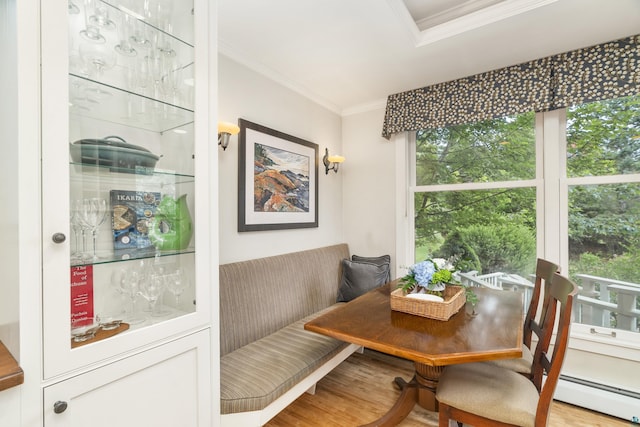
(120,255)
(183,11)
(108,175)
(91,99)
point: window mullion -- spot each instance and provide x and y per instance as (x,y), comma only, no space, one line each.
(554,203)
(405,159)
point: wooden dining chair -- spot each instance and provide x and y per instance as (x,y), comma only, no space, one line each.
(544,272)
(482,394)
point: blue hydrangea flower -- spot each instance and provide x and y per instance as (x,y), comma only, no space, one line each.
(422,272)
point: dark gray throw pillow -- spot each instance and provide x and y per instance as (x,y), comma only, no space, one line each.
(359,278)
(378,260)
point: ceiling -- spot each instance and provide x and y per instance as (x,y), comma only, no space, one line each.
(349,55)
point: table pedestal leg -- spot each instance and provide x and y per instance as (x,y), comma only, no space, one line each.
(421,390)
(427,377)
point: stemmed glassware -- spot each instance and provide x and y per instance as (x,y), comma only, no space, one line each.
(157,67)
(93,214)
(128,282)
(171,80)
(91,31)
(73,8)
(139,35)
(100,16)
(151,290)
(124,47)
(80,228)
(176,284)
(77,230)
(98,58)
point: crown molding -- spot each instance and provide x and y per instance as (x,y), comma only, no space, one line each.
(464,23)
(380,104)
(226,50)
(466,8)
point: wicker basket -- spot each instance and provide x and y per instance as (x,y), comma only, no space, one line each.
(454,300)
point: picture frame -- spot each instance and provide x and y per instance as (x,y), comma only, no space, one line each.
(277,180)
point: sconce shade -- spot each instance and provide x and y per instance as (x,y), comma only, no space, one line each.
(225,130)
(226,127)
(331,163)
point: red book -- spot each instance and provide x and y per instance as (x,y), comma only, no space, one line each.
(82,295)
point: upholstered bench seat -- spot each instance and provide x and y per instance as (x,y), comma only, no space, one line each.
(267,359)
(258,373)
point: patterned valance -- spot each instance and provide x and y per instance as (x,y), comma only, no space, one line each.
(608,70)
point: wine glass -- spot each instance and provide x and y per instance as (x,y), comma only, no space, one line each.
(176,284)
(94,213)
(97,57)
(100,15)
(129,282)
(141,82)
(91,31)
(73,8)
(77,230)
(151,289)
(156,61)
(139,34)
(80,226)
(163,13)
(124,47)
(171,80)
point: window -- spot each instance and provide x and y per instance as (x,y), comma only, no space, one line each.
(475,198)
(563,185)
(603,162)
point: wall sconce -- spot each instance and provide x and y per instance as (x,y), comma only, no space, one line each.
(225,130)
(331,162)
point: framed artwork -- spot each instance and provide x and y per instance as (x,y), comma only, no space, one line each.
(277,180)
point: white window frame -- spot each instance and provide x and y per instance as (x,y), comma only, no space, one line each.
(552,191)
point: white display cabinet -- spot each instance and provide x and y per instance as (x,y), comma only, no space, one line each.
(126,219)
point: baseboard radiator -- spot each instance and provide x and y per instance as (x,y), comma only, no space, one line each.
(620,403)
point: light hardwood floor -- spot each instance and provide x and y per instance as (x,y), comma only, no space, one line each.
(360,390)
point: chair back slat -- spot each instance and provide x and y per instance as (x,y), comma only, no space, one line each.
(546,363)
(544,273)
(562,292)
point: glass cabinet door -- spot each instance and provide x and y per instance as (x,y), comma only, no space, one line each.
(131,247)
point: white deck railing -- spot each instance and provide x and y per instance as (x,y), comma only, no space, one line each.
(500,281)
(601,302)
(608,303)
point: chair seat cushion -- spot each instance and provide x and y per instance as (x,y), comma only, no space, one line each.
(256,374)
(489,391)
(521,365)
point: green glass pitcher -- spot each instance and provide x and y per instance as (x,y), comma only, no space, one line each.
(171,227)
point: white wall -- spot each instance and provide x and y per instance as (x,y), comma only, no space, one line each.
(245,94)
(369,186)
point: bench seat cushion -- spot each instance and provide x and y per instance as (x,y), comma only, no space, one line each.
(256,374)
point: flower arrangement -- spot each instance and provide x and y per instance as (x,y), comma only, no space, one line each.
(431,276)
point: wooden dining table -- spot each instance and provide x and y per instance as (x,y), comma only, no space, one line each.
(493,330)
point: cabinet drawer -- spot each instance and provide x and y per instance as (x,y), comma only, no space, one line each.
(164,386)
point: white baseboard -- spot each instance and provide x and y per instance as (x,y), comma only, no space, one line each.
(601,400)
